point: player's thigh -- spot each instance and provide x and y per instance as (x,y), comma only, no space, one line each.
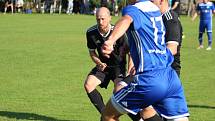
(148,112)
(123,82)
(209,26)
(91,82)
(110,112)
(202,26)
(174,104)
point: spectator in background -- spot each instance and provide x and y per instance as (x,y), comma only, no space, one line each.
(76,6)
(82,7)
(86,5)
(19,5)
(104,3)
(8,3)
(192,8)
(205,9)
(116,9)
(70,7)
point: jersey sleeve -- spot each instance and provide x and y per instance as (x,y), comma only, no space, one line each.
(133,12)
(173,31)
(90,42)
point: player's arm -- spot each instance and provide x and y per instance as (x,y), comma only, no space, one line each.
(101,66)
(173,34)
(131,68)
(91,45)
(194,16)
(196,13)
(175,5)
(172,47)
(120,28)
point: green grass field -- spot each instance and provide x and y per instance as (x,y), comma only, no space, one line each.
(44,62)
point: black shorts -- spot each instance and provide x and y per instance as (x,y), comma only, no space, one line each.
(110,73)
(128,79)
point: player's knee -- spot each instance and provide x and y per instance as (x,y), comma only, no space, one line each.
(90,85)
(110,113)
(148,112)
(117,87)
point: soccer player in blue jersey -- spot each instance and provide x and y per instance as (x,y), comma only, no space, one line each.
(155,82)
(205,10)
(173,40)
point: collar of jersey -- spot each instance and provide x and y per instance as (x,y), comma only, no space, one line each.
(105,35)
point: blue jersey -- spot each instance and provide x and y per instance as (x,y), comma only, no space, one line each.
(205,10)
(159,84)
(147,43)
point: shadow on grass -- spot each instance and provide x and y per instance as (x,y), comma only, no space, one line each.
(202,106)
(29,116)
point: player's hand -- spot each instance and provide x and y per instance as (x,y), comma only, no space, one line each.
(107,48)
(102,66)
(132,71)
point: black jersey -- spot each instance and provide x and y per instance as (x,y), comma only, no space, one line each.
(95,41)
(173,34)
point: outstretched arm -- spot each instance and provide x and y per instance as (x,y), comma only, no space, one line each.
(119,29)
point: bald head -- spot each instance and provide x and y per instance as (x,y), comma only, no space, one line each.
(103,19)
(103,11)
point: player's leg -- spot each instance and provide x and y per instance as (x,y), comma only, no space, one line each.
(123,83)
(5,7)
(145,113)
(120,83)
(173,107)
(136,96)
(95,97)
(94,79)
(71,8)
(11,6)
(209,33)
(110,113)
(149,114)
(201,31)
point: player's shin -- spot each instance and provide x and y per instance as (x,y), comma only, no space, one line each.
(97,100)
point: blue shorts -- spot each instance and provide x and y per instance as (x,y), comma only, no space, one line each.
(161,88)
(205,24)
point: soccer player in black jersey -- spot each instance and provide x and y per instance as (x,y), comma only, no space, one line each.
(106,69)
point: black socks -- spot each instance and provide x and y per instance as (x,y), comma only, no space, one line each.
(154,118)
(96,99)
(134,117)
